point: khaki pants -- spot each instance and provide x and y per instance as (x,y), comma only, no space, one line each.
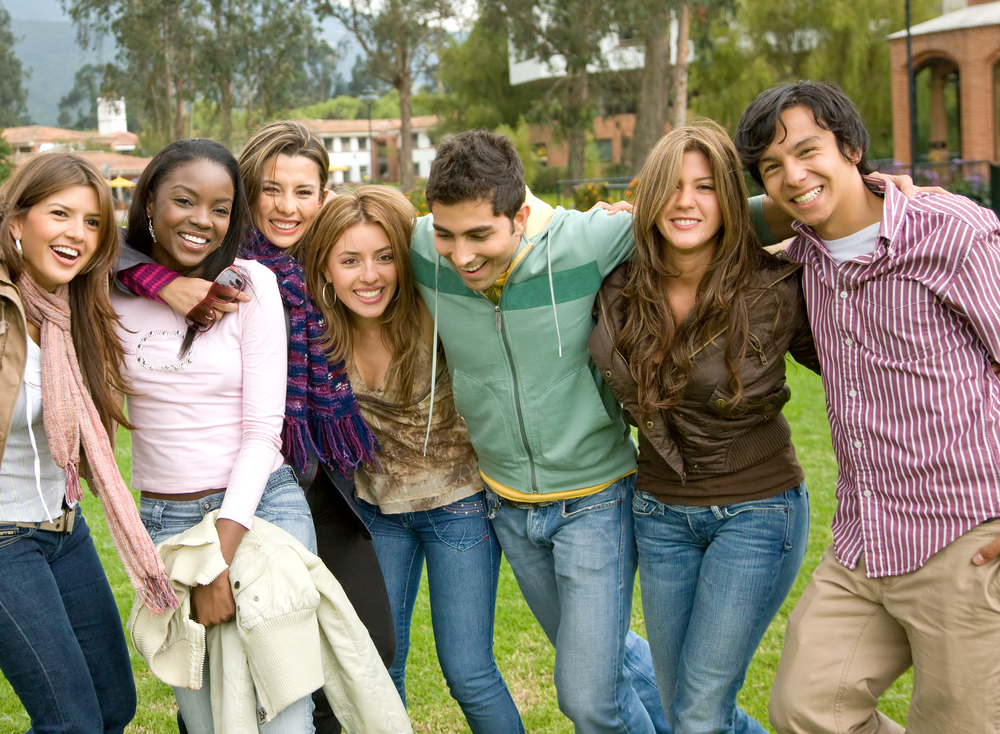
(850,637)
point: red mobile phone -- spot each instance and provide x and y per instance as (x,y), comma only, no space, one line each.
(225,289)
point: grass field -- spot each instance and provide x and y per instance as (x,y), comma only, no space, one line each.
(524,655)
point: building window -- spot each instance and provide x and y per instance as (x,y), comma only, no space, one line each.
(345,145)
(362,143)
(363,172)
(605,149)
(328,144)
(416,140)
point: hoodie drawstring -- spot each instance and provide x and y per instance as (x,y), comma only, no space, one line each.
(552,291)
(434,355)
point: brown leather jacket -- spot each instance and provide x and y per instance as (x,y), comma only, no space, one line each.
(13,352)
(702,436)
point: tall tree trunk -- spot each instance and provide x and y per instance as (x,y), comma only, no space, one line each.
(681,72)
(579,120)
(405,129)
(654,97)
(169,83)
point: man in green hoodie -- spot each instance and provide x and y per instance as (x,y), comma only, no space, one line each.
(511,283)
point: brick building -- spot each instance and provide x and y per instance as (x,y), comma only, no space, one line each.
(960,47)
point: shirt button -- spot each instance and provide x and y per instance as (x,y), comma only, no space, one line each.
(857,444)
(867,493)
(848,342)
(843,294)
(853,393)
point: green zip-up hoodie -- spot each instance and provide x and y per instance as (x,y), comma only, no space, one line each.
(541,418)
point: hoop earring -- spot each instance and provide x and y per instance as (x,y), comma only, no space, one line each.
(395,297)
(151,232)
(17,246)
(327,300)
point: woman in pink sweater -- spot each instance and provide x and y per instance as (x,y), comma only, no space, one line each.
(207,407)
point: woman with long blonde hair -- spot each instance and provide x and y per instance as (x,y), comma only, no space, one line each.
(691,336)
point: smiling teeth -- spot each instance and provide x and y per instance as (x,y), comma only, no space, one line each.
(66,251)
(685,222)
(368,294)
(283,225)
(472,269)
(193,239)
(806,198)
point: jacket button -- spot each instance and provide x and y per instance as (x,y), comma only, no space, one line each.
(720,403)
(649,424)
(236,585)
(608,374)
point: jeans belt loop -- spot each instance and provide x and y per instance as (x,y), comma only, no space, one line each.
(62,524)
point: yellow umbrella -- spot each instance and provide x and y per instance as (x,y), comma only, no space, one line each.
(339,168)
(120,183)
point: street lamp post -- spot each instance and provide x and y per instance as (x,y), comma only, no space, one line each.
(369,98)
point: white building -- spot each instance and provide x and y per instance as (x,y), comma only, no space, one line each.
(351,155)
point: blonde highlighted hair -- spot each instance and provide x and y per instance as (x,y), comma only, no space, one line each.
(94,323)
(284,137)
(658,348)
(401,329)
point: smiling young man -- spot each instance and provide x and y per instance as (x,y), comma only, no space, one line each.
(511,285)
(903,302)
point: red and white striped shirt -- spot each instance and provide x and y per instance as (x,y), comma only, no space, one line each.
(905,336)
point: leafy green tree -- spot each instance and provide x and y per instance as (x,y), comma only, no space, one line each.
(13,96)
(6,159)
(78,108)
(750,46)
(478,93)
(398,38)
(573,29)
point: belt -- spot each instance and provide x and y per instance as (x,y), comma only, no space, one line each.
(528,505)
(62,524)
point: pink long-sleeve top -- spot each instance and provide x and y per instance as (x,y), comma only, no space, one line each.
(211,419)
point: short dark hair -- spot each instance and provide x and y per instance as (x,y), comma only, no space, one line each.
(830,107)
(477,165)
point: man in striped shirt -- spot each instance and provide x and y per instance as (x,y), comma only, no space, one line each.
(904,303)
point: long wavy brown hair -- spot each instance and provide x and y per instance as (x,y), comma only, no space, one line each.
(94,323)
(657,348)
(401,330)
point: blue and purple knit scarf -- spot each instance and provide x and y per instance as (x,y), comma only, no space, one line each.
(320,409)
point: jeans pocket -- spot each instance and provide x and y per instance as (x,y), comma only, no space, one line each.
(10,533)
(644,504)
(461,531)
(603,500)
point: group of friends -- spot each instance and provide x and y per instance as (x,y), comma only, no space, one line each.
(389,390)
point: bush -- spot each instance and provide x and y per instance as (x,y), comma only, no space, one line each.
(418,198)
(587,194)
(975,187)
(546,177)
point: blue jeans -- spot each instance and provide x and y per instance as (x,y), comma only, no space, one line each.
(61,643)
(283,504)
(712,580)
(575,563)
(463,567)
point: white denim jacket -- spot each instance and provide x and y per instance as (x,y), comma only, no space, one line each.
(295,631)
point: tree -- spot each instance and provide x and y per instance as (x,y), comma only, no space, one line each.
(478,93)
(398,38)
(750,46)
(78,108)
(13,96)
(6,159)
(258,55)
(573,29)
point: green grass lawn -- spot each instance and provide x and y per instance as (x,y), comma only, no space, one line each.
(524,655)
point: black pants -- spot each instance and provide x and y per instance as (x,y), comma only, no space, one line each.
(349,554)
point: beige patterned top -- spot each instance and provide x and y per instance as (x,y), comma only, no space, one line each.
(408,481)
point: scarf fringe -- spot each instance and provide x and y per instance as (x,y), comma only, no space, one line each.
(74,493)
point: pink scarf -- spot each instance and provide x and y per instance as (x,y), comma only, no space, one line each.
(71,419)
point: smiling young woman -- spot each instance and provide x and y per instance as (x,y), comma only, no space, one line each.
(61,644)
